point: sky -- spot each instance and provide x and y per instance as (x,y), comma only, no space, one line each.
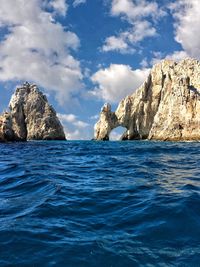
(84,53)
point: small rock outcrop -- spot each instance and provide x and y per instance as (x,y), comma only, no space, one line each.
(165,107)
(30,117)
(6,131)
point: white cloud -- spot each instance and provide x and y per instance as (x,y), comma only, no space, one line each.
(60,6)
(144,63)
(37,48)
(67,117)
(115,43)
(73,135)
(114,136)
(134,10)
(71,118)
(187,21)
(139,32)
(124,40)
(117,133)
(74,127)
(94,117)
(136,14)
(117,81)
(78,2)
(176,56)
(81,124)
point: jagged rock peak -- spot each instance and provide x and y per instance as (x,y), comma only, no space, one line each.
(165,107)
(31,117)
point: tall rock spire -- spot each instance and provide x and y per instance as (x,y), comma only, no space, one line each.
(31,117)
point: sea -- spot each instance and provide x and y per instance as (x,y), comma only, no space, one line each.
(100,204)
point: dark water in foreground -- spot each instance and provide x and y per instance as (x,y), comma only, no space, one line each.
(82,204)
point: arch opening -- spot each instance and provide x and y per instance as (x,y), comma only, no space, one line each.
(117,133)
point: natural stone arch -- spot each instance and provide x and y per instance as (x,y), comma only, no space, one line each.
(111,120)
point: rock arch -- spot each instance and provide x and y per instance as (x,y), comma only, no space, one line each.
(120,118)
(165,107)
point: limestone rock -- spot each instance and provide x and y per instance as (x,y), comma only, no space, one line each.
(31,117)
(6,131)
(107,122)
(165,107)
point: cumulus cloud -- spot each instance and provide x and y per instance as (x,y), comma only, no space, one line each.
(133,10)
(144,63)
(72,119)
(124,41)
(94,117)
(176,56)
(74,127)
(60,6)
(37,48)
(136,14)
(187,20)
(78,2)
(116,43)
(117,81)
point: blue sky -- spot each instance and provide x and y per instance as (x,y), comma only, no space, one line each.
(83,53)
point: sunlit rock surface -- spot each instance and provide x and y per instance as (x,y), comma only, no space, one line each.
(165,107)
(30,117)
(6,131)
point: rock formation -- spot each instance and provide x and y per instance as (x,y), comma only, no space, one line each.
(165,107)
(30,117)
(6,131)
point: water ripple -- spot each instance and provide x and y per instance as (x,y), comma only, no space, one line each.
(82,204)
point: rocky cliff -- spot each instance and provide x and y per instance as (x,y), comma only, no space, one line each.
(30,117)
(165,107)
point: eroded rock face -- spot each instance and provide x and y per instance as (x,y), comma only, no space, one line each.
(31,117)
(107,122)
(6,131)
(165,107)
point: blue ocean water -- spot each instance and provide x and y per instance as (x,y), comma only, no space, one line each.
(101,204)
